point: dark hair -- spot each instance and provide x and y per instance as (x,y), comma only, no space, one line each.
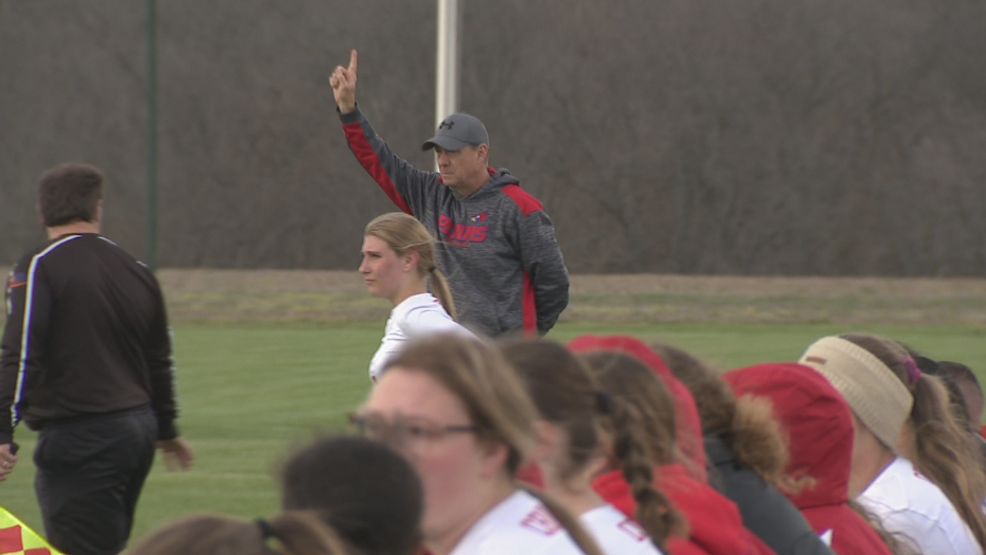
(747,426)
(297,533)
(563,393)
(627,378)
(957,403)
(566,394)
(363,489)
(958,374)
(69,193)
(942,446)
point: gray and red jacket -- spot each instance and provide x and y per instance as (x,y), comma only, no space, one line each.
(497,246)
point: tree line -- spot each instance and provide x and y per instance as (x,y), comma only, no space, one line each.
(748,137)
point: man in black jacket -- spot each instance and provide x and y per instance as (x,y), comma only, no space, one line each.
(86,360)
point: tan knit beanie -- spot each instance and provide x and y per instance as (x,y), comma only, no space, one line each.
(879,399)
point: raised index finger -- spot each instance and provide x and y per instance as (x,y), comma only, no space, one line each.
(352,61)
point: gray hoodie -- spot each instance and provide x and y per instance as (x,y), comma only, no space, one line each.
(497,246)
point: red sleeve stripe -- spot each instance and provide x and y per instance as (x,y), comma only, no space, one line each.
(371,163)
(529,308)
(524,200)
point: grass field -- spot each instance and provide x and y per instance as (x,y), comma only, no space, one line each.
(260,372)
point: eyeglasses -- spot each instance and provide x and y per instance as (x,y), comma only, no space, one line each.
(402,431)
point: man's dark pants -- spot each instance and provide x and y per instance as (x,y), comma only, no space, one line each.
(90,473)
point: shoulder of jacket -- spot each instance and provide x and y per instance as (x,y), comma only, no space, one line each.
(523,200)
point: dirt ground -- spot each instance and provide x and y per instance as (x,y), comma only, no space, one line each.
(334,295)
(337,296)
(350,282)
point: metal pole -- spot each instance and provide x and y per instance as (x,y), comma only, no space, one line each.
(447,74)
(151,249)
(447,62)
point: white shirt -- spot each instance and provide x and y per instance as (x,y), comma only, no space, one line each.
(417,315)
(909,504)
(616,533)
(518,524)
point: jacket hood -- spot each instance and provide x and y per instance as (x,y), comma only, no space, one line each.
(714,523)
(688,427)
(498,180)
(816,419)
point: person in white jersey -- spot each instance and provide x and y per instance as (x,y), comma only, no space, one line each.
(573,449)
(458,412)
(878,380)
(398,263)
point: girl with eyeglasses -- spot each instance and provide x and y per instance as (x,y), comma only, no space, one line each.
(459,413)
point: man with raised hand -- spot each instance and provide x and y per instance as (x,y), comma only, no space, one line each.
(496,243)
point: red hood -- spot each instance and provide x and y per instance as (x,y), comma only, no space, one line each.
(714,523)
(530,474)
(820,425)
(688,427)
(817,420)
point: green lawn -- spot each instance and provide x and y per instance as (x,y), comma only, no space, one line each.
(250,392)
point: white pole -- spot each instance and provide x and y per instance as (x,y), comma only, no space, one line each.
(447,74)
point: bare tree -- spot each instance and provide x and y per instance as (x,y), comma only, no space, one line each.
(752,137)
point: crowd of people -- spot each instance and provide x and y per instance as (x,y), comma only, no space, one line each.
(610,445)
(479,436)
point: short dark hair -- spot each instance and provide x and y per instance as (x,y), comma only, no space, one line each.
(958,372)
(69,193)
(368,493)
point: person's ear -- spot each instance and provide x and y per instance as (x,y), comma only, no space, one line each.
(411,259)
(546,434)
(493,456)
(606,451)
(483,152)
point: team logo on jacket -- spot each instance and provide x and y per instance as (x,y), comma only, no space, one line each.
(540,520)
(633,530)
(463,235)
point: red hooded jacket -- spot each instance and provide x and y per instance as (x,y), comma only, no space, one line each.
(688,427)
(715,525)
(819,424)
